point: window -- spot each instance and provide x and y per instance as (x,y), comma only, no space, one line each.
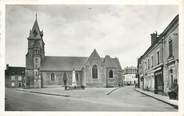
(36,60)
(145,65)
(158,57)
(170,48)
(36,51)
(148,64)
(36,73)
(19,78)
(12,78)
(95,72)
(52,77)
(110,74)
(151,61)
(36,63)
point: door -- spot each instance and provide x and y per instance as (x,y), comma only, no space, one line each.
(159,84)
(20,84)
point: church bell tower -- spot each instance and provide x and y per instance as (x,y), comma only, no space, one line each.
(34,57)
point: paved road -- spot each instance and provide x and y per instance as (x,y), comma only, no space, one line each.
(123,99)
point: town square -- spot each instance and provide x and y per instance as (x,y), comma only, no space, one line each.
(92,58)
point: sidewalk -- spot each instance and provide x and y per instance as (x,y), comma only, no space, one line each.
(88,92)
(162,98)
(39,91)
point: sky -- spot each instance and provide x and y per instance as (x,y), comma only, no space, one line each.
(121,31)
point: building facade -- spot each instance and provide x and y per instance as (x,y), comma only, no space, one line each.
(158,66)
(129,75)
(14,77)
(47,71)
(170,54)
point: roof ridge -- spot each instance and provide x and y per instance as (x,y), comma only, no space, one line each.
(16,67)
(68,56)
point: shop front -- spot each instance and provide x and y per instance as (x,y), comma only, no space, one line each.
(159,81)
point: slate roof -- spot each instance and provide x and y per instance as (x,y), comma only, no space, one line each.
(159,38)
(35,29)
(64,63)
(13,70)
(113,63)
(116,63)
(35,25)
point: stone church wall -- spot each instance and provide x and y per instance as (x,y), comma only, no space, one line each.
(112,82)
(58,78)
(90,81)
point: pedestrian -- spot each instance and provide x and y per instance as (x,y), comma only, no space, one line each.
(65,80)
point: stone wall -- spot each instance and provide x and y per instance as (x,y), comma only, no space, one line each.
(16,81)
(112,82)
(47,82)
(100,81)
(172,62)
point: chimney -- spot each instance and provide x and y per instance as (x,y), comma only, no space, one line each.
(7,65)
(153,37)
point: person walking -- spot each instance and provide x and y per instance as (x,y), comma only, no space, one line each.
(65,80)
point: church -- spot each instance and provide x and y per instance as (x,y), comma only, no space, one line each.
(48,71)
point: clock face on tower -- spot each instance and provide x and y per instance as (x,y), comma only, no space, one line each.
(35,33)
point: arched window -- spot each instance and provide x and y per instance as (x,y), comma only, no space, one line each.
(110,74)
(52,77)
(94,72)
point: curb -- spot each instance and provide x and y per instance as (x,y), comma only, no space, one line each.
(175,106)
(45,93)
(108,93)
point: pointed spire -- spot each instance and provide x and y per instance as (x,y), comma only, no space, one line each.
(36,15)
(35,31)
(35,23)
